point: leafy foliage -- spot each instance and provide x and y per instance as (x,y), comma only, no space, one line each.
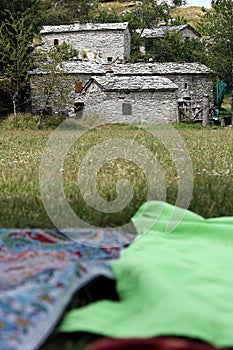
(52,87)
(67,11)
(20,20)
(174,48)
(217,26)
(26,121)
(27,9)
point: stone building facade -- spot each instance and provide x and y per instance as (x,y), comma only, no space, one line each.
(194,82)
(68,83)
(110,41)
(128,99)
(191,92)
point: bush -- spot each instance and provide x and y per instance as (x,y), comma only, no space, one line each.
(28,121)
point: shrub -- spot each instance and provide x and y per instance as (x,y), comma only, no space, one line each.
(28,121)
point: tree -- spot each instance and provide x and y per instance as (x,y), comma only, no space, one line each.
(20,21)
(149,13)
(67,11)
(174,48)
(217,26)
(51,87)
(176,3)
(29,9)
(15,58)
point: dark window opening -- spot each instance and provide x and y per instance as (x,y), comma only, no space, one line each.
(55,42)
(78,106)
(109,59)
(126,108)
(186,86)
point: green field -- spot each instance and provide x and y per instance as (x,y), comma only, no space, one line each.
(211,152)
(210,149)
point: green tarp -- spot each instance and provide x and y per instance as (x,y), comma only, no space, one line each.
(221,89)
(176,283)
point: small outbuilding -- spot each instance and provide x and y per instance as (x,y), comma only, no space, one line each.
(186,30)
(194,81)
(129,99)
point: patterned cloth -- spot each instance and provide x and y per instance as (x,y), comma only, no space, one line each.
(40,271)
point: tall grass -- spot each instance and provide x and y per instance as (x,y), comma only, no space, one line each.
(211,151)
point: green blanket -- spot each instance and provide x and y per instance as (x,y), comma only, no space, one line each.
(178,283)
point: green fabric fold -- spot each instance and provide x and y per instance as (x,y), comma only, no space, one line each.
(177,282)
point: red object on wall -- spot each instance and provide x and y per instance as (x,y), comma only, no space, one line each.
(78,86)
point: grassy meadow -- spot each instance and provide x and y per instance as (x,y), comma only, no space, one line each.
(210,149)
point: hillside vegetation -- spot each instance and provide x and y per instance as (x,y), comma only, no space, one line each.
(191,14)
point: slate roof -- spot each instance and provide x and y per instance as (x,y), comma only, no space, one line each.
(160,31)
(88,67)
(132,83)
(76,67)
(159,68)
(76,27)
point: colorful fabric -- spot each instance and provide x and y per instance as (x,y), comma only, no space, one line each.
(159,343)
(40,271)
(169,283)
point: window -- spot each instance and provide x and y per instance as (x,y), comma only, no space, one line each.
(126,108)
(186,86)
(55,42)
(78,109)
(78,106)
(109,59)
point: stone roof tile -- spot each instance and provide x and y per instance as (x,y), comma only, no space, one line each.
(76,27)
(76,67)
(133,83)
(160,31)
(160,68)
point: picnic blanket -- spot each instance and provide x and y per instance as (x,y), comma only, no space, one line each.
(170,283)
(40,271)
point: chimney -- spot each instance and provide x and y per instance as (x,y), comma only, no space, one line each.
(76,24)
(89,25)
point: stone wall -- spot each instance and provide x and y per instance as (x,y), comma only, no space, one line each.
(62,94)
(146,106)
(127,43)
(110,45)
(188,33)
(132,107)
(195,86)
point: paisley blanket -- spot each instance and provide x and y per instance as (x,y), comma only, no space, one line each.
(39,273)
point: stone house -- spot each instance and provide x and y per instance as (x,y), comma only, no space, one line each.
(110,41)
(194,82)
(190,89)
(132,99)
